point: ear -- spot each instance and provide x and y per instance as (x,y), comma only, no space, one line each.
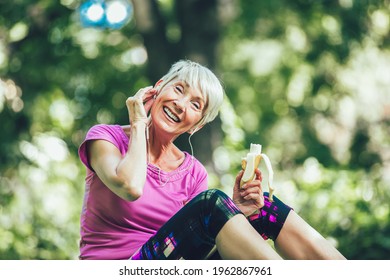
(156,87)
(158,83)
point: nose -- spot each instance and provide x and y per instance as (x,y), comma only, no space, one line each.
(180,105)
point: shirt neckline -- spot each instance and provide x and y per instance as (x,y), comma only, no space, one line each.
(160,174)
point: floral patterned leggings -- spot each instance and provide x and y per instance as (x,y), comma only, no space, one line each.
(191,232)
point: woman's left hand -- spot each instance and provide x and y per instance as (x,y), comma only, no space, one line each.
(249,198)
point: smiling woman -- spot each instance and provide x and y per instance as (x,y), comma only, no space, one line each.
(179,103)
(147,199)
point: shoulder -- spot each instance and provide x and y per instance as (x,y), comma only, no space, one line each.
(113,134)
(100,131)
(197,168)
(199,175)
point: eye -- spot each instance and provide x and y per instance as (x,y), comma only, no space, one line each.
(179,88)
(196,104)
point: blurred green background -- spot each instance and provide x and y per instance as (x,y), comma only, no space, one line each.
(307,79)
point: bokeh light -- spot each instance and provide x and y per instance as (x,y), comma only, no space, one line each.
(112,14)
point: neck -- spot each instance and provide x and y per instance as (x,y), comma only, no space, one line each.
(162,152)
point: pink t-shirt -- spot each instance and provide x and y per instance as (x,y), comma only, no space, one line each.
(113,228)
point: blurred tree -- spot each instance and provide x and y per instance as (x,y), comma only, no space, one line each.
(307,79)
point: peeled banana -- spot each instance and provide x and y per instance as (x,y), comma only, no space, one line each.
(251,162)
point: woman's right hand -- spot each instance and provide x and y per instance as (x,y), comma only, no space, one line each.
(139,105)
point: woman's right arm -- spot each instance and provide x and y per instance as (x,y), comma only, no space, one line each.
(125,175)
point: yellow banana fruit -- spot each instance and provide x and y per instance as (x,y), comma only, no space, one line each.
(251,162)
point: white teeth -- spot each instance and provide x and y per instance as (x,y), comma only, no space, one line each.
(171,115)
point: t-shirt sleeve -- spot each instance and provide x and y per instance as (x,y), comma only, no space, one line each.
(110,133)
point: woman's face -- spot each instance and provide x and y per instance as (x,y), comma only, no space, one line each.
(178,107)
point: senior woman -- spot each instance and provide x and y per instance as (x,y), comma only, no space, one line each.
(147,199)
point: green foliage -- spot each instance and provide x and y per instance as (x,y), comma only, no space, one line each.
(306,79)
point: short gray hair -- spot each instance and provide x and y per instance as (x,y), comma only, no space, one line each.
(202,78)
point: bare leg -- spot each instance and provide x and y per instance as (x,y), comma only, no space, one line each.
(239,240)
(298,240)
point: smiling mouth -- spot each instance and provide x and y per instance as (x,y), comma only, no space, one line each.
(171,115)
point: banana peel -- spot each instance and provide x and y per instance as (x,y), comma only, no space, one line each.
(251,162)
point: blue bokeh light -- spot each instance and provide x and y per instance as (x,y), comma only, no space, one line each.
(112,14)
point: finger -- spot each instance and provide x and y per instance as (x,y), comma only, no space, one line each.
(254,198)
(252,189)
(251,183)
(150,94)
(258,178)
(254,183)
(258,174)
(148,105)
(252,186)
(133,102)
(257,199)
(238,179)
(136,110)
(141,92)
